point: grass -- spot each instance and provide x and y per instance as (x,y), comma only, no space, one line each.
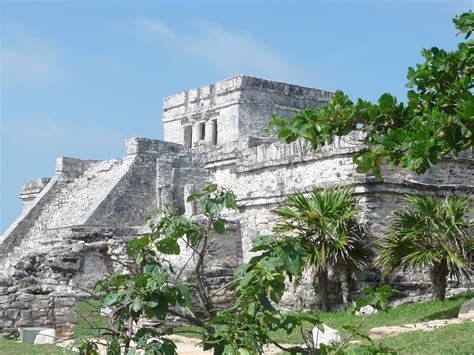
(447,340)
(12,347)
(89,319)
(409,313)
(451,339)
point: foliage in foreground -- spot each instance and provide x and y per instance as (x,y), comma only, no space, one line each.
(403,314)
(437,119)
(150,288)
(430,234)
(324,223)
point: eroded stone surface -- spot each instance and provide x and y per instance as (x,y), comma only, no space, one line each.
(467,310)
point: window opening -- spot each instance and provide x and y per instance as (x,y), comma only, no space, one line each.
(203,130)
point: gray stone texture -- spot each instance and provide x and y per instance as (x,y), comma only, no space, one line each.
(74,226)
(467,310)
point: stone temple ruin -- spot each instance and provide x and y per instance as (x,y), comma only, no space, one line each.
(74,226)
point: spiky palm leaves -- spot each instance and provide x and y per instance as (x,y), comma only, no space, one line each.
(430,234)
(325,223)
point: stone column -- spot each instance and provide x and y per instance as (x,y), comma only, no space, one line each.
(166,197)
(164,179)
(211,131)
(189,207)
(196,133)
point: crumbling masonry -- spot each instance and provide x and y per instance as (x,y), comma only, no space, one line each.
(74,226)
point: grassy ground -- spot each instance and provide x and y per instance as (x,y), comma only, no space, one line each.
(452,339)
(89,319)
(12,347)
(410,313)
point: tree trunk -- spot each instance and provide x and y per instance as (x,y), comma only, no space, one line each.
(344,278)
(439,277)
(320,286)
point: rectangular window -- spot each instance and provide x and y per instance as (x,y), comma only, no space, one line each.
(203,131)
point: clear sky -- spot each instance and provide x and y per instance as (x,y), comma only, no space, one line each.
(78,77)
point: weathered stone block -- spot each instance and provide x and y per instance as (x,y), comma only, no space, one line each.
(28,334)
(21,305)
(39,313)
(327,336)
(5,323)
(64,301)
(467,310)
(40,304)
(12,314)
(25,297)
(25,314)
(46,336)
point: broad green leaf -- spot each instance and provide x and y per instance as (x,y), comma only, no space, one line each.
(137,304)
(219,225)
(168,246)
(229,200)
(183,296)
(112,299)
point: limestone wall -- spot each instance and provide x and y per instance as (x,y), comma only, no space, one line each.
(265,175)
(46,284)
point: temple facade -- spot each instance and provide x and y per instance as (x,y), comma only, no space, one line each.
(74,226)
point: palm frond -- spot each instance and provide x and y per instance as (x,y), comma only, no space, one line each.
(427,232)
(325,222)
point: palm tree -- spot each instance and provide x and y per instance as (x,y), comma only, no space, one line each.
(325,223)
(430,234)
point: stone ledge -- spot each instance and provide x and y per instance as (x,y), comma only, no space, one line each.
(151,146)
(241,82)
(33,187)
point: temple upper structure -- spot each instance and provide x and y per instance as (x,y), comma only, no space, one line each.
(232,109)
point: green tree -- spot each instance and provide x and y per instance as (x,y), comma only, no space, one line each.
(437,118)
(430,234)
(148,286)
(325,226)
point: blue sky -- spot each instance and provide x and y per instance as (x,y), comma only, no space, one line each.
(78,77)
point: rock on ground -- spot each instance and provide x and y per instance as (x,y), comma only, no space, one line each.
(366,310)
(46,336)
(467,310)
(327,337)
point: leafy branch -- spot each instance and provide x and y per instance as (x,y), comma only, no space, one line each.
(437,118)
